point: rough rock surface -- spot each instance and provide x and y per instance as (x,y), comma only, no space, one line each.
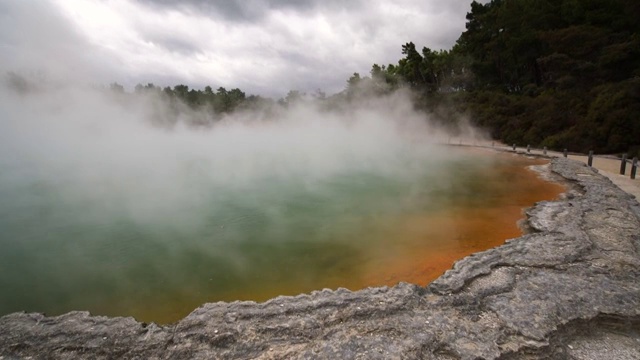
(567,290)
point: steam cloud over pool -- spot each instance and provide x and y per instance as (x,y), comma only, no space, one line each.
(103,211)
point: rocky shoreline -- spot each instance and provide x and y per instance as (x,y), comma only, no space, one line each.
(568,289)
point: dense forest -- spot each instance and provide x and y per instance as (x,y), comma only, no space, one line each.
(555,73)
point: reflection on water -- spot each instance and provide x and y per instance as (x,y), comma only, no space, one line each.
(62,253)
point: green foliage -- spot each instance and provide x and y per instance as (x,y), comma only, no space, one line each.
(219,102)
(555,73)
(613,120)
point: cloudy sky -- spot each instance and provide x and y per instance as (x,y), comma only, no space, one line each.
(264,47)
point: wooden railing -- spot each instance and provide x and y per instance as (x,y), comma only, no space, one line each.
(623,160)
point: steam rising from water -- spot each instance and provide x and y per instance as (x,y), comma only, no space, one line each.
(89,148)
(95,197)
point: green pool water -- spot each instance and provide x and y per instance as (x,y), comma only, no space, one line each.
(131,244)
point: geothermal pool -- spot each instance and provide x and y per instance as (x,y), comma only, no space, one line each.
(133,245)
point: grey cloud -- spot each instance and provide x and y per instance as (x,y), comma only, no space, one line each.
(174,44)
(451,6)
(229,10)
(260,49)
(35,38)
(250,10)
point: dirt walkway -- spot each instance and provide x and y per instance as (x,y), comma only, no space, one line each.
(611,169)
(606,166)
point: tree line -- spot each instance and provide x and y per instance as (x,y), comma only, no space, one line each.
(555,73)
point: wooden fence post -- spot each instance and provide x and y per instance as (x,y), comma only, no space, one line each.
(566,152)
(623,164)
(634,167)
(590,161)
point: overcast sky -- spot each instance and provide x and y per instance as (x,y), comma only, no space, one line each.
(264,47)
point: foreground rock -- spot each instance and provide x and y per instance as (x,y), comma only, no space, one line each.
(569,289)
